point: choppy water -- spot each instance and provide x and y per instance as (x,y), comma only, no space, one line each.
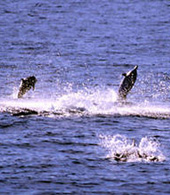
(70,136)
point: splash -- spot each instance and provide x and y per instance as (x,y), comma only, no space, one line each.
(94,101)
(120,148)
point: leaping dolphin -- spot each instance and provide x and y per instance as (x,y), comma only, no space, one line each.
(26,85)
(127,83)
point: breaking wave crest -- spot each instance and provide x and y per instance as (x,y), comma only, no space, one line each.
(96,101)
(122,149)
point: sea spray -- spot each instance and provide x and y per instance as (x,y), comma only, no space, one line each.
(94,101)
(122,148)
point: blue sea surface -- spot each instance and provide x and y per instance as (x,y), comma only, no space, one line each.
(67,135)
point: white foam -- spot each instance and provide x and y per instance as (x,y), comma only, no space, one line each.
(147,149)
(96,101)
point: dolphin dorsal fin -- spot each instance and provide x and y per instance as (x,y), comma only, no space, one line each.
(124,74)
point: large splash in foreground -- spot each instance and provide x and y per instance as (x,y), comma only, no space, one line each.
(122,149)
(89,102)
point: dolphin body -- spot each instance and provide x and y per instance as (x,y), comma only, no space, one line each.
(26,84)
(127,83)
(134,151)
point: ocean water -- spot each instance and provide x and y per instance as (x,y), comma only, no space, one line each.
(70,135)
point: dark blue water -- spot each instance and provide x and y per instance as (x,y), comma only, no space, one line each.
(62,138)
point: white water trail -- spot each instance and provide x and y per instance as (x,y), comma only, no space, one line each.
(95,101)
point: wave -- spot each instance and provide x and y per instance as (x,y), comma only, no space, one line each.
(122,149)
(84,102)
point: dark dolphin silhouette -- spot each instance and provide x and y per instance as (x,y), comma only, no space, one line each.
(26,84)
(134,151)
(127,83)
